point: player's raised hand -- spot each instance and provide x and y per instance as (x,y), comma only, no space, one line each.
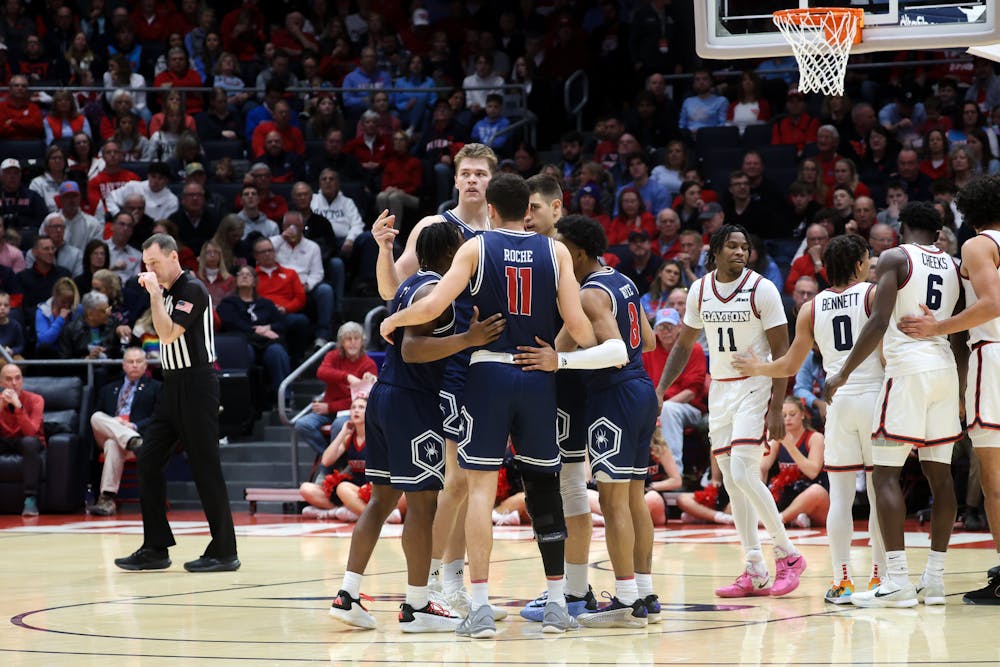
(384,231)
(746,363)
(541,358)
(919,326)
(486,331)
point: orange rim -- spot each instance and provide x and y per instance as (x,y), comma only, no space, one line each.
(813,18)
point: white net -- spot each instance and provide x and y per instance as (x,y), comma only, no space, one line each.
(821,41)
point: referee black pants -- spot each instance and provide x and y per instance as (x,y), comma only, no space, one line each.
(187,411)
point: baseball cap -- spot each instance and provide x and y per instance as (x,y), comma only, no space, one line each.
(638,235)
(10,163)
(668,316)
(711,210)
(69,186)
(590,189)
(194,168)
(421,17)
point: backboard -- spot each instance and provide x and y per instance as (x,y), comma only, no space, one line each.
(728,29)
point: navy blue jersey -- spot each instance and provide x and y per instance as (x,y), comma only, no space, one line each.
(459,362)
(420,377)
(627,310)
(518,277)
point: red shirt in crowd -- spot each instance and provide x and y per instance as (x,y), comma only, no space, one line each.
(692,377)
(292,140)
(25,421)
(334,371)
(283,287)
(804,266)
(377,152)
(190,79)
(798,131)
(20,122)
(404,172)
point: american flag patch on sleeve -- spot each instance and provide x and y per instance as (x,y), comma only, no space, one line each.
(184,306)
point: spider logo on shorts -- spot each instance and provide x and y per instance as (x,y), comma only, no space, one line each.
(601,439)
(430,451)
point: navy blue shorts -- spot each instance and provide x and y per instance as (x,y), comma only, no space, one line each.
(452,391)
(621,420)
(571,401)
(501,400)
(404,445)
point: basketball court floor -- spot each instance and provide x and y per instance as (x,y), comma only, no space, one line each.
(66,604)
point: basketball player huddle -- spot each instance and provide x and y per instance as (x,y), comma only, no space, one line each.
(506,325)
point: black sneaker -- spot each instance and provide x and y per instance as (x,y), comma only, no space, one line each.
(652,602)
(988,594)
(145,559)
(211,564)
(431,617)
(581,605)
(994,572)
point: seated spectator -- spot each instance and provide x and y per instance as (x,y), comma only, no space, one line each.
(663,476)
(11,330)
(65,119)
(881,237)
(47,183)
(286,167)
(279,72)
(843,204)
(670,173)
(386,123)
(740,207)
(80,227)
(487,130)
(633,216)
(226,78)
(270,203)
(905,117)
(219,122)
(254,220)
(364,78)
(797,480)
(485,82)
(91,335)
(121,105)
(918,185)
(762,263)
(652,125)
(195,223)
(343,216)
(749,107)
(810,264)
(124,409)
(963,165)
(864,217)
(21,431)
(880,157)
(704,108)
(260,321)
(163,142)
(121,77)
(806,289)
(413,106)
(796,126)
(187,256)
(368,147)
(440,142)
(229,238)
(341,369)
(213,273)
(20,118)
(827,141)
(124,42)
(690,207)
(803,208)
(187,152)
(684,401)
(128,135)
(293,250)
(845,174)
(20,207)
(160,202)
(668,227)
(273,92)
(67,256)
(640,264)
(810,174)
(95,258)
(401,182)
(588,203)
(123,258)
(296,37)
(180,75)
(291,136)
(282,286)
(110,285)
(936,163)
(808,388)
(52,315)
(691,258)
(654,196)
(108,180)
(667,279)
(334,157)
(11,256)
(324,115)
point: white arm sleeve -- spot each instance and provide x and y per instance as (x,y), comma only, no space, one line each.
(609,353)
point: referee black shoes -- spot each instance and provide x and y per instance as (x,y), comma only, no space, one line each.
(210,564)
(145,559)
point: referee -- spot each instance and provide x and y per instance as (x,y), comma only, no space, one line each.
(187,411)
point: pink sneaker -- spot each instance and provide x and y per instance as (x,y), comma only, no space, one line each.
(786,575)
(745,587)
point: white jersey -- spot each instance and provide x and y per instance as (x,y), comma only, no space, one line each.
(735,317)
(837,320)
(988,331)
(933,281)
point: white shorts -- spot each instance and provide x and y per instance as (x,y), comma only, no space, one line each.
(737,411)
(848,444)
(982,404)
(918,410)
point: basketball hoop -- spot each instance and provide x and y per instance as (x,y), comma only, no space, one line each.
(821,40)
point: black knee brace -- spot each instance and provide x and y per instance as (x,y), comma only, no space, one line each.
(544,504)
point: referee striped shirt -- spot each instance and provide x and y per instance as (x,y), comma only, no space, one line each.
(189,305)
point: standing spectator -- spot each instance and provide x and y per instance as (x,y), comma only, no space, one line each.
(293,250)
(401,182)
(342,368)
(482,82)
(80,227)
(796,126)
(651,40)
(180,75)
(20,118)
(439,143)
(47,183)
(21,431)
(160,202)
(365,77)
(487,131)
(704,108)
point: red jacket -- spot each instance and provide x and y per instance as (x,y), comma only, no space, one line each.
(804,266)
(283,287)
(403,172)
(799,132)
(291,139)
(56,125)
(692,377)
(620,228)
(358,148)
(190,79)
(24,421)
(334,371)
(20,122)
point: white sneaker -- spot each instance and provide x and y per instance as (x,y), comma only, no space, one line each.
(431,618)
(349,611)
(802,520)
(459,601)
(512,518)
(344,514)
(886,594)
(930,590)
(311,512)
(395,517)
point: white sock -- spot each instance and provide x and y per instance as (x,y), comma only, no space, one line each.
(352,584)
(896,568)
(454,575)
(480,594)
(935,565)
(416,596)
(576,579)
(626,591)
(755,561)
(435,568)
(556,587)
(644,583)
